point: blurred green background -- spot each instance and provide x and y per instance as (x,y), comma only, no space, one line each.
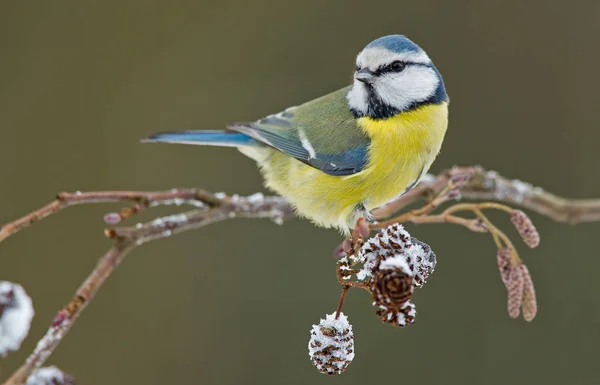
(82,81)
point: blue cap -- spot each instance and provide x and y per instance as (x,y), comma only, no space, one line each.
(395,43)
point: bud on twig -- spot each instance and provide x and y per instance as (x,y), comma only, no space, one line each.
(460,177)
(50,375)
(525,227)
(331,345)
(112,218)
(16,312)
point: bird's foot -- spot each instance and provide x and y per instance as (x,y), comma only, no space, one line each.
(360,233)
(351,246)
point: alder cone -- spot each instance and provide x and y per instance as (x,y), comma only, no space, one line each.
(394,241)
(391,288)
(331,345)
(398,317)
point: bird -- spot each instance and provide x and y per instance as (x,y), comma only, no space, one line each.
(337,157)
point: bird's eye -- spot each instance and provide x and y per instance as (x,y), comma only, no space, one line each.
(357,68)
(397,66)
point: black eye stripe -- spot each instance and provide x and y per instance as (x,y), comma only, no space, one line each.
(387,68)
(396,66)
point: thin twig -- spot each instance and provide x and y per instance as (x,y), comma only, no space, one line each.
(64,200)
(338,310)
(65,318)
(127,239)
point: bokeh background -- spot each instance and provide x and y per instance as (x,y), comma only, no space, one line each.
(81,82)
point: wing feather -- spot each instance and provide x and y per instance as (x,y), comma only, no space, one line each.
(322,133)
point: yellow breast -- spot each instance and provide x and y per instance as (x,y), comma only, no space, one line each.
(402,149)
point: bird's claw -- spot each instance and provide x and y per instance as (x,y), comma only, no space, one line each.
(359,234)
(351,246)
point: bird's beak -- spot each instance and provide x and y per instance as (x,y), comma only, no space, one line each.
(364,75)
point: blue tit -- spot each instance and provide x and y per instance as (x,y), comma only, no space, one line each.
(337,157)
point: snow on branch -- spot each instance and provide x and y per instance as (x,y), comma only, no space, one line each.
(391,283)
(491,186)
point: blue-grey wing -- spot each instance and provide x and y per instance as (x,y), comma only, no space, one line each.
(321,133)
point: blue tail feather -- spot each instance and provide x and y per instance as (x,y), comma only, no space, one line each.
(206,138)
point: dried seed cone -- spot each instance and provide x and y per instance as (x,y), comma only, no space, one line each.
(16,312)
(529,305)
(388,242)
(422,266)
(392,242)
(515,286)
(525,227)
(392,287)
(398,317)
(7,298)
(331,345)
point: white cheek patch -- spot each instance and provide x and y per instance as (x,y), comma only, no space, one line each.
(358,98)
(400,90)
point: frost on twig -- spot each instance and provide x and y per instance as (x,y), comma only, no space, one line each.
(468,183)
(16,312)
(331,346)
(50,375)
(218,208)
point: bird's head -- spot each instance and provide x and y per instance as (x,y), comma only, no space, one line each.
(393,75)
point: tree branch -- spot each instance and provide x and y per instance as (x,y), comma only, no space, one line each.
(213,208)
(143,198)
(489,185)
(127,238)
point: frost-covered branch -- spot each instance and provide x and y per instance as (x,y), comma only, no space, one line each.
(484,185)
(143,199)
(489,185)
(127,238)
(390,282)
